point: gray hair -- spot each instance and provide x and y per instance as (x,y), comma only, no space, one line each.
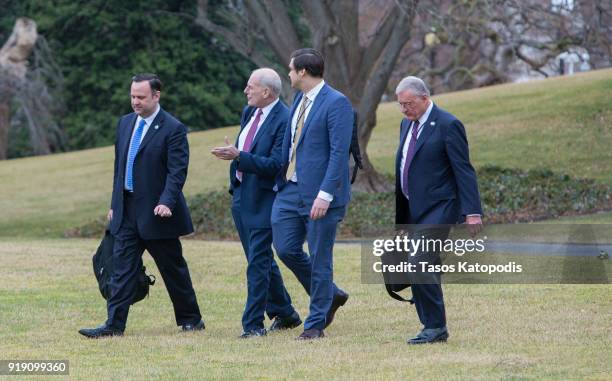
(269,78)
(413,84)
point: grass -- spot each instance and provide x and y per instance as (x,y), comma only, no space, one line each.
(508,332)
(561,123)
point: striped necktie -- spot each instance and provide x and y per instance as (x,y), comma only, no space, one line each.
(296,138)
(129,179)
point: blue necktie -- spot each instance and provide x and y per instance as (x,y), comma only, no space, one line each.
(129,180)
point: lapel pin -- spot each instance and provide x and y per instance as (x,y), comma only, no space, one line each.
(157,126)
(431,124)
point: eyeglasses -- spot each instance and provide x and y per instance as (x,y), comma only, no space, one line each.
(405,105)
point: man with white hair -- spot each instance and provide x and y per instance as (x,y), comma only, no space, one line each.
(256,160)
(435,185)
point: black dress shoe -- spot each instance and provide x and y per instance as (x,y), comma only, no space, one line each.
(287,322)
(199,326)
(101,331)
(430,335)
(253,333)
(311,334)
(338,301)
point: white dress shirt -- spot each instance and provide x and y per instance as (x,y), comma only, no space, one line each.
(311,96)
(422,121)
(245,131)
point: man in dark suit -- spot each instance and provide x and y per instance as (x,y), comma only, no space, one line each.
(256,160)
(435,185)
(313,186)
(148,210)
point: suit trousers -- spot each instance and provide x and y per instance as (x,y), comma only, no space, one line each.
(266,291)
(426,286)
(291,227)
(168,256)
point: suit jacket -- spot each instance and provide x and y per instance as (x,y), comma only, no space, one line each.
(259,166)
(160,171)
(323,148)
(442,186)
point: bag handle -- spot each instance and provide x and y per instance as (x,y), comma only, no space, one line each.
(397,296)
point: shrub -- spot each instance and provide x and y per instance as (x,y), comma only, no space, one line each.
(508,196)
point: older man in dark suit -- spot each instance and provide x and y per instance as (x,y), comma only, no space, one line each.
(435,185)
(148,210)
(256,160)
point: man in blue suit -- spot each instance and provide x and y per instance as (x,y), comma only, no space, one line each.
(435,185)
(313,187)
(256,160)
(148,210)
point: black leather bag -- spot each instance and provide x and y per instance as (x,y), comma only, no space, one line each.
(395,282)
(103,269)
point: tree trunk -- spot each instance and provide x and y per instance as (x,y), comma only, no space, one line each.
(369,179)
(359,70)
(13,66)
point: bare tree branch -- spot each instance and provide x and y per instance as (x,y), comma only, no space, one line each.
(236,40)
(379,42)
(380,76)
(275,25)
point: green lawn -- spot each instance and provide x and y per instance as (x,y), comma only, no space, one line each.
(504,332)
(562,123)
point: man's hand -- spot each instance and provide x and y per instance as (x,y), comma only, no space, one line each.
(229,152)
(109,216)
(474,225)
(319,208)
(162,211)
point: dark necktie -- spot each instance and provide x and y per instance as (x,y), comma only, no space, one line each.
(410,155)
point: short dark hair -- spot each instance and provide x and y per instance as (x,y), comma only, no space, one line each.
(310,60)
(154,81)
